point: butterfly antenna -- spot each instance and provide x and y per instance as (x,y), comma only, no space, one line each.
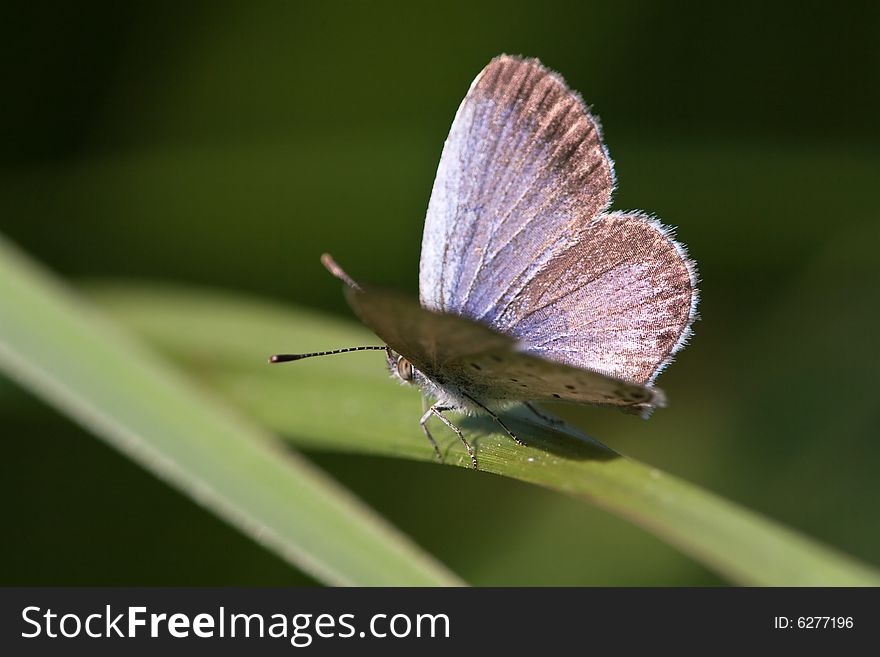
(286,358)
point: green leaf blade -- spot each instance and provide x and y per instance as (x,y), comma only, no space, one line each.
(64,351)
(348,404)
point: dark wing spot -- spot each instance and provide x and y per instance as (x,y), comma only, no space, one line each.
(476,367)
(569,386)
(514,380)
(636,395)
(630,394)
(557,396)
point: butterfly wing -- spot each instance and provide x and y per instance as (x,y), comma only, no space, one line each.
(620,299)
(517,237)
(490,366)
(523,165)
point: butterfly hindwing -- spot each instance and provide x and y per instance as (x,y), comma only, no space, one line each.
(620,300)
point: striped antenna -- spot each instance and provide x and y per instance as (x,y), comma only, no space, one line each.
(286,358)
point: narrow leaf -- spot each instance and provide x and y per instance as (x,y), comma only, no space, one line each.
(347,403)
(64,351)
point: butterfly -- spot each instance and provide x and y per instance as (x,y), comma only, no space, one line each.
(531,289)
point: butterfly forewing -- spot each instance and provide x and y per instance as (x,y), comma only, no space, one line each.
(427,339)
(490,366)
(522,166)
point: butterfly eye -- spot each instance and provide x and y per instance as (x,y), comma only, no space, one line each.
(404,369)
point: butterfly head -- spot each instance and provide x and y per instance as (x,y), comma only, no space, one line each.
(401,369)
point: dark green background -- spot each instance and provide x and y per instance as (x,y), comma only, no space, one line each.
(229,144)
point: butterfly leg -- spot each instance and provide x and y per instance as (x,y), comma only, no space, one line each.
(555,421)
(495,417)
(438,411)
(506,428)
(424,424)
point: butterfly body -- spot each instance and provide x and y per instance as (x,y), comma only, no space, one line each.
(530,289)
(457,396)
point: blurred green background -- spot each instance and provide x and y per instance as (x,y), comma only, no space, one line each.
(229,144)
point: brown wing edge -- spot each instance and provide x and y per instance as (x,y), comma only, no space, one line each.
(668,232)
(495,78)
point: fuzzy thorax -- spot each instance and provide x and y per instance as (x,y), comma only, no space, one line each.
(447,395)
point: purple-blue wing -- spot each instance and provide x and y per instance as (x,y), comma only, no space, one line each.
(522,168)
(620,299)
(517,235)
